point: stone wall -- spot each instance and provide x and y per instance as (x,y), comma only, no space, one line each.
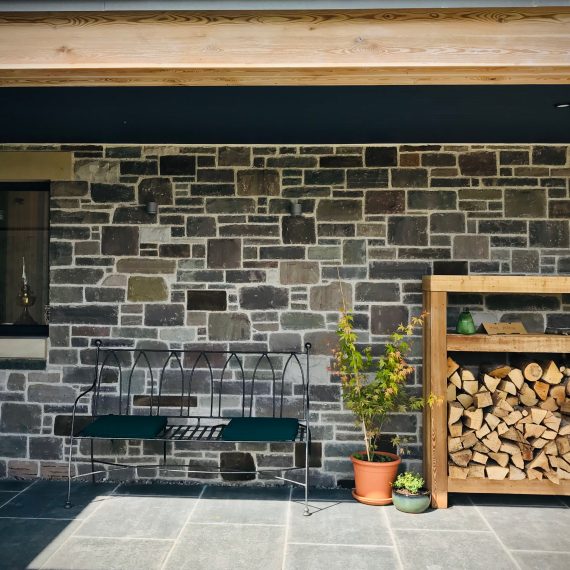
(224,264)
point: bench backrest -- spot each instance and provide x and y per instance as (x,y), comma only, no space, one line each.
(200,383)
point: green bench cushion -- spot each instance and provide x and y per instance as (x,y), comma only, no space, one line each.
(260,429)
(125,427)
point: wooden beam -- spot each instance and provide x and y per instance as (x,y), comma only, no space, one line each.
(461,46)
(548,285)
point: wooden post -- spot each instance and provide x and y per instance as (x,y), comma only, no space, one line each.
(435,383)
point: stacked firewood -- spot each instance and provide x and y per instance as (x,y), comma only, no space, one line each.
(510,423)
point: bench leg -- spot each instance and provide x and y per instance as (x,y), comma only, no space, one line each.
(93,478)
(68,502)
(306,511)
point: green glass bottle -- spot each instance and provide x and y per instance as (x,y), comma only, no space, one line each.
(465,324)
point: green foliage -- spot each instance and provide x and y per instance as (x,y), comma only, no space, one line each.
(411,482)
(374,390)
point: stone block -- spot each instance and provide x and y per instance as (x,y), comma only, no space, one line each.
(377,292)
(200,226)
(174,250)
(228,326)
(285,342)
(20,418)
(299,272)
(157,190)
(339,210)
(522,302)
(230,205)
(177,165)
(224,253)
(120,240)
(75,217)
(381,156)
(513,157)
(367,178)
(322,342)
(354,252)
(315,454)
(471,247)
(132,215)
(85,315)
(150,234)
(298,229)
(144,265)
(139,167)
(234,156)
(112,193)
(245,276)
(60,253)
(261,182)
(340,161)
(385,320)
(525,261)
(450,268)
(301,320)
(324,177)
(559,208)
(432,200)
(164,315)
(554,155)
(385,202)
(213,189)
(409,178)
(438,159)
(408,230)
(264,297)
(281,252)
(331,297)
(106,171)
(46,448)
(68,189)
(525,203)
(146,289)
(549,234)
(399,269)
(448,223)
(13,445)
(16,382)
(478,163)
(61,356)
(236,461)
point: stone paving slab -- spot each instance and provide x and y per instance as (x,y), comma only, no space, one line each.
(173,526)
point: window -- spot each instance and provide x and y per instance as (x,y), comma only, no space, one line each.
(24,258)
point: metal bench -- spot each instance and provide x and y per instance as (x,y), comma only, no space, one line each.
(190,395)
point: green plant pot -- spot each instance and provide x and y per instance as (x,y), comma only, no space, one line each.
(414,504)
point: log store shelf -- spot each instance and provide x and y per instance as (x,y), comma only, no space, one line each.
(437,343)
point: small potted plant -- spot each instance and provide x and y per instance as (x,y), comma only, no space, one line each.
(372,390)
(409,494)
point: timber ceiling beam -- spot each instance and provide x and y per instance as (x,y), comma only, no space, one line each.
(467,46)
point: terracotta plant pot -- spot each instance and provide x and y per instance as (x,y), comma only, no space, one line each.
(373,481)
(414,504)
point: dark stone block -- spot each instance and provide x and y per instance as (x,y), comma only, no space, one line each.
(354,252)
(215,175)
(525,203)
(157,190)
(200,226)
(85,315)
(385,202)
(502,227)
(174,250)
(322,342)
(315,454)
(563,265)
(120,240)
(522,302)
(381,156)
(450,268)
(408,230)
(177,165)
(13,445)
(336,230)
(264,297)
(283,342)
(234,156)
(478,163)
(16,382)
(385,320)
(261,182)
(367,178)
(104,295)
(432,200)
(399,269)
(72,233)
(555,155)
(245,276)
(230,206)
(250,230)
(123,152)
(527,261)
(559,209)
(228,326)
(424,253)
(549,234)
(401,423)
(60,253)
(75,217)
(46,448)
(139,167)
(133,215)
(438,159)
(224,253)
(164,315)
(112,192)
(471,247)
(77,276)
(20,418)
(339,210)
(292,161)
(298,229)
(514,157)
(324,177)
(213,189)
(301,320)
(65,189)
(409,178)
(282,252)
(448,223)
(207,300)
(236,461)
(340,161)
(509,241)
(377,292)
(145,265)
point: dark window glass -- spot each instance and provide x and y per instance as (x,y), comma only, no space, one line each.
(24,270)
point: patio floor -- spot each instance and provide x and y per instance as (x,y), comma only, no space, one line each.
(180,526)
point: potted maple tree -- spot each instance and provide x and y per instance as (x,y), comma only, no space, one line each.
(372,389)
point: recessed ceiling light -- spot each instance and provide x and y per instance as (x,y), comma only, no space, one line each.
(562,105)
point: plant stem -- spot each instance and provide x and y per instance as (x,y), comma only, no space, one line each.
(366,442)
